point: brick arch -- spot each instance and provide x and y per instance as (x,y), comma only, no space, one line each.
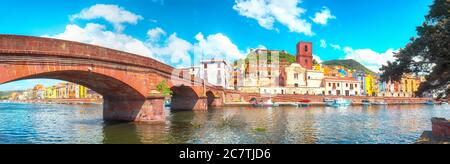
(110,87)
(215,98)
(211,97)
(184,98)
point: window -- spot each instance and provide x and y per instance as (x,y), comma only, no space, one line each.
(306,61)
(351,86)
(338,92)
(306,48)
(329,92)
(356,85)
(205,65)
(296,85)
(218,65)
(295,75)
(219,77)
(338,84)
(346,84)
(329,84)
(309,77)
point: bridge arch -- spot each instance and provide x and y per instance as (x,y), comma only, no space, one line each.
(109,87)
(210,98)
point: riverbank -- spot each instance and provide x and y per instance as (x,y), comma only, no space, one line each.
(286,102)
(58,101)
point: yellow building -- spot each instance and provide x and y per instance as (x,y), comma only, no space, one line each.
(82,92)
(410,84)
(371,85)
(50,92)
(318,67)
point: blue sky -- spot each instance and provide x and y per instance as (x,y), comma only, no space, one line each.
(173,31)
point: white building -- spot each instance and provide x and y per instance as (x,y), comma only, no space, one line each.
(342,86)
(216,72)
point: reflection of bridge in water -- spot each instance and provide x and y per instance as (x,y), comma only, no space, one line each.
(126,81)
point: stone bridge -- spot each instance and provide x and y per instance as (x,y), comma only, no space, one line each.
(126,81)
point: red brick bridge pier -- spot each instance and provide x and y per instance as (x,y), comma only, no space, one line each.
(126,81)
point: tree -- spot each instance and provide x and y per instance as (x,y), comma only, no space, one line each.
(427,54)
(164,88)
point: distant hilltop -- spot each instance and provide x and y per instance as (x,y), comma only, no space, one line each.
(7,94)
(349,64)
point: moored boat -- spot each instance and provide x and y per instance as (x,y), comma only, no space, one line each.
(365,102)
(268,103)
(379,103)
(304,103)
(339,102)
(429,102)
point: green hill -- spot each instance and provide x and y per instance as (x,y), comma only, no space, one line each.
(282,56)
(6,94)
(349,64)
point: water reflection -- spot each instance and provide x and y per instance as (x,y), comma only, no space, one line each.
(34,123)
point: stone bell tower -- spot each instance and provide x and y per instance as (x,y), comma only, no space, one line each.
(304,55)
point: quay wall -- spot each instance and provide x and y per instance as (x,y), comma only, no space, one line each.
(246,97)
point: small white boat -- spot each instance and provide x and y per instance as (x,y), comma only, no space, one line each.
(268,103)
(379,103)
(339,102)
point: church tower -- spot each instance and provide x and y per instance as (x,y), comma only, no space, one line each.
(304,55)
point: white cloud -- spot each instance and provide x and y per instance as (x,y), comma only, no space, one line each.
(267,12)
(369,58)
(155,33)
(216,46)
(317,58)
(97,35)
(176,49)
(172,49)
(114,14)
(323,16)
(336,46)
(323,43)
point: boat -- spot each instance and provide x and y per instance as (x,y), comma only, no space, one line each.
(444,103)
(339,102)
(268,103)
(365,102)
(429,102)
(304,103)
(379,103)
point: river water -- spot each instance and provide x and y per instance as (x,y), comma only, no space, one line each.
(49,123)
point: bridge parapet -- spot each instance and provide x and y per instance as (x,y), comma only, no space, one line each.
(28,45)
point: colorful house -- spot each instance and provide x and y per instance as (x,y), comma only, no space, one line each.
(371,85)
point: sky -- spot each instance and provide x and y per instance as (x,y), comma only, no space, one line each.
(181,32)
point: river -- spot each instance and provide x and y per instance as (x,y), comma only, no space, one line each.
(50,123)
